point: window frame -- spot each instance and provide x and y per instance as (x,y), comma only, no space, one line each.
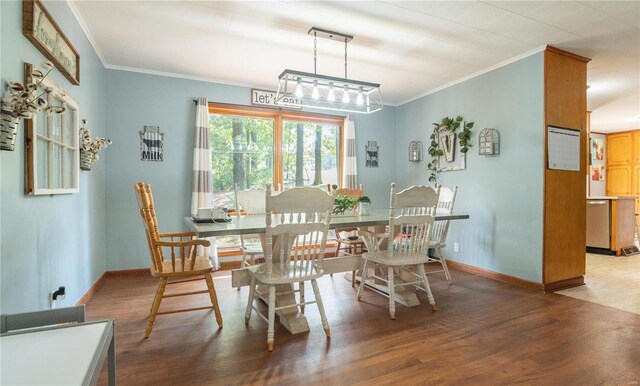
(279,116)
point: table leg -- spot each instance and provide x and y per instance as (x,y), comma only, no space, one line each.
(112,359)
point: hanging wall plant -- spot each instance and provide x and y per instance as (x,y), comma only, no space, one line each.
(448,126)
(90,148)
(22,101)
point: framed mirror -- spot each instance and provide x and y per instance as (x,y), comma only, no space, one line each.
(52,156)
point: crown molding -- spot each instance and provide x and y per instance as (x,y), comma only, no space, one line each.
(188,77)
(478,73)
(86,31)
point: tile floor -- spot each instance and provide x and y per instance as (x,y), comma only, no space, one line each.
(612,281)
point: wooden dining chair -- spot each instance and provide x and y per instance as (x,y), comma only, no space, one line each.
(411,217)
(441,228)
(183,265)
(295,241)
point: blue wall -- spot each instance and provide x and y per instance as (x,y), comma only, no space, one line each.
(136,100)
(49,241)
(502,194)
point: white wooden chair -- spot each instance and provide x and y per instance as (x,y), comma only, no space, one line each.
(295,243)
(411,217)
(251,203)
(441,228)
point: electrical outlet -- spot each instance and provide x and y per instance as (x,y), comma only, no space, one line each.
(56,295)
(456,247)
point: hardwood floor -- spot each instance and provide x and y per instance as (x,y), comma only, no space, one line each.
(484,332)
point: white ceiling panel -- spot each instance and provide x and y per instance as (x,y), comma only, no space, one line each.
(409,47)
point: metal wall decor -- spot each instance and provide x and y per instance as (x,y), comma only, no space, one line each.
(151,144)
(415,151)
(373,151)
(489,142)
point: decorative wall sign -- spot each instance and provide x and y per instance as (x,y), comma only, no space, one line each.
(151,141)
(373,150)
(268,98)
(448,145)
(445,155)
(43,32)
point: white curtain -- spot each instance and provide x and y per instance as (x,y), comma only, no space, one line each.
(350,171)
(201,193)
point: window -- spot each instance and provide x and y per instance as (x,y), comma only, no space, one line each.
(51,145)
(253,146)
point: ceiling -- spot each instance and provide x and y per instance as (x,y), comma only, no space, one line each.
(410,48)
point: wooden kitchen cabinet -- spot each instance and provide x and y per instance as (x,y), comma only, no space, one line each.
(623,165)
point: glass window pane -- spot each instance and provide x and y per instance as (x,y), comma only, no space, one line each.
(68,117)
(241,153)
(42,163)
(310,153)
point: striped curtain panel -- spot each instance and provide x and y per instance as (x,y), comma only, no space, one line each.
(350,168)
(201,194)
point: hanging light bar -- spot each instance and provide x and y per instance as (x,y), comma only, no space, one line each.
(319,91)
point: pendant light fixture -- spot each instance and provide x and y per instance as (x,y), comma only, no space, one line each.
(319,91)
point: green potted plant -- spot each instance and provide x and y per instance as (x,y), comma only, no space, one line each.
(363,205)
(343,203)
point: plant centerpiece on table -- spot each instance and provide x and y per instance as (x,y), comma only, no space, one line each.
(22,101)
(449,125)
(90,148)
(363,205)
(343,203)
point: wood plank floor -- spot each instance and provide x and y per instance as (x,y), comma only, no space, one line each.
(484,333)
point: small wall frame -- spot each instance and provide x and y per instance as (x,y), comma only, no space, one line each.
(151,144)
(415,151)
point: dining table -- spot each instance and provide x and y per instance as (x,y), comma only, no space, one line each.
(291,317)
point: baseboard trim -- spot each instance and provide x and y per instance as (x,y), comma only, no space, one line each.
(227,265)
(501,277)
(94,288)
(564,284)
(130,272)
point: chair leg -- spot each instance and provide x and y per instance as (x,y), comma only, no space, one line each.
(301,288)
(156,305)
(353,279)
(272,317)
(243,263)
(443,261)
(392,292)
(252,294)
(363,277)
(423,275)
(323,316)
(214,298)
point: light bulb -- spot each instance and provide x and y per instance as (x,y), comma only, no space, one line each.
(359,100)
(299,93)
(331,96)
(345,95)
(315,94)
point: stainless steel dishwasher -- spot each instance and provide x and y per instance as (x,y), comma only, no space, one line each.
(598,223)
